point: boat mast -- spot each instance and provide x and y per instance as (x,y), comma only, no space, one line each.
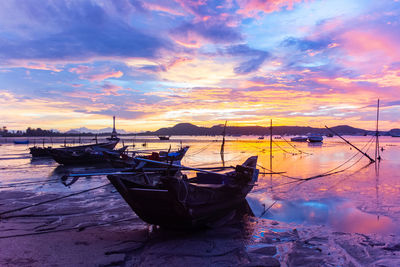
(270,146)
(377,154)
(223,145)
(114,132)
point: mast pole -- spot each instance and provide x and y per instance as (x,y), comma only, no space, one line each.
(270,146)
(223,145)
(377,154)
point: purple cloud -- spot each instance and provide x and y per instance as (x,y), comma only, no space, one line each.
(257,57)
(74,31)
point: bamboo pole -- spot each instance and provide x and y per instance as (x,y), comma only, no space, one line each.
(377,154)
(223,145)
(365,154)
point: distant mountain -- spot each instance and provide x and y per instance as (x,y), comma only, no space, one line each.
(190,129)
(86,130)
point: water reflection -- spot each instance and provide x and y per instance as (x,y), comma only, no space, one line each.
(359,198)
(339,214)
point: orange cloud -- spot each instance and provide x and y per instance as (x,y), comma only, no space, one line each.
(189,43)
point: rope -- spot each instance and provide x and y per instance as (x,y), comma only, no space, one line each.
(284,149)
(302,152)
(302,180)
(330,172)
(51,200)
(12,185)
(79,228)
(201,149)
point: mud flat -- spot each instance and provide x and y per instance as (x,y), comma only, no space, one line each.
(100,230)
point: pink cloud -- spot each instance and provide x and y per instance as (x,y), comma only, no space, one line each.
(80,69)
(251,8)
(103,76)
(364,42)
(33,65)
(157,7)
(178,61)
(110,89)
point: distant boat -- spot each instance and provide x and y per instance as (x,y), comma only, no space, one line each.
(21,142)
(37,151)
(315,139)
(164,137)
(299,139)
(82,155)
(277,137)
(261,137)
(329,135)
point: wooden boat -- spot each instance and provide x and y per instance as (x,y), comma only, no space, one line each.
(37,151)
(21,142)
(299,139)
(85,154)
(315,139)
(174,201)
(125,161)
(164,137)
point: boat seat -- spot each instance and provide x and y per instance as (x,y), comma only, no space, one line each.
(210,178)
(208,185)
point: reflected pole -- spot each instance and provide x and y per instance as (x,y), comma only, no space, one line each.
(270,151)
(377,154)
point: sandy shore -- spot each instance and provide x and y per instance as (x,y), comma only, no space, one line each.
(100,230)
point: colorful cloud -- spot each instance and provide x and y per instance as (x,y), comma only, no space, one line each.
(156,63)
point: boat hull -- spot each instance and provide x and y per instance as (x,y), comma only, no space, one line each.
(299,139)
(179,203)
(40,151)
(82,155)
(21,142)
(315,139)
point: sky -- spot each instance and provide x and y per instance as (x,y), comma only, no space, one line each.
(152,64)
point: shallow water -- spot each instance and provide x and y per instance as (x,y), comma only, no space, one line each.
(359,197)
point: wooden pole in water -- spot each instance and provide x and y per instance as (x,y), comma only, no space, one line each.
(270,146)
(365,154)
(223,145)
(377,154)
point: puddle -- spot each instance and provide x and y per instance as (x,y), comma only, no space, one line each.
(341,215)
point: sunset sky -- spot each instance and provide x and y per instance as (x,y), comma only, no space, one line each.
(70,64)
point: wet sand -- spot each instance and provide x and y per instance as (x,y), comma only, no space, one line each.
(101,230)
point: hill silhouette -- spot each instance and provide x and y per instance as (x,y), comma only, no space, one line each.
(190,129)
